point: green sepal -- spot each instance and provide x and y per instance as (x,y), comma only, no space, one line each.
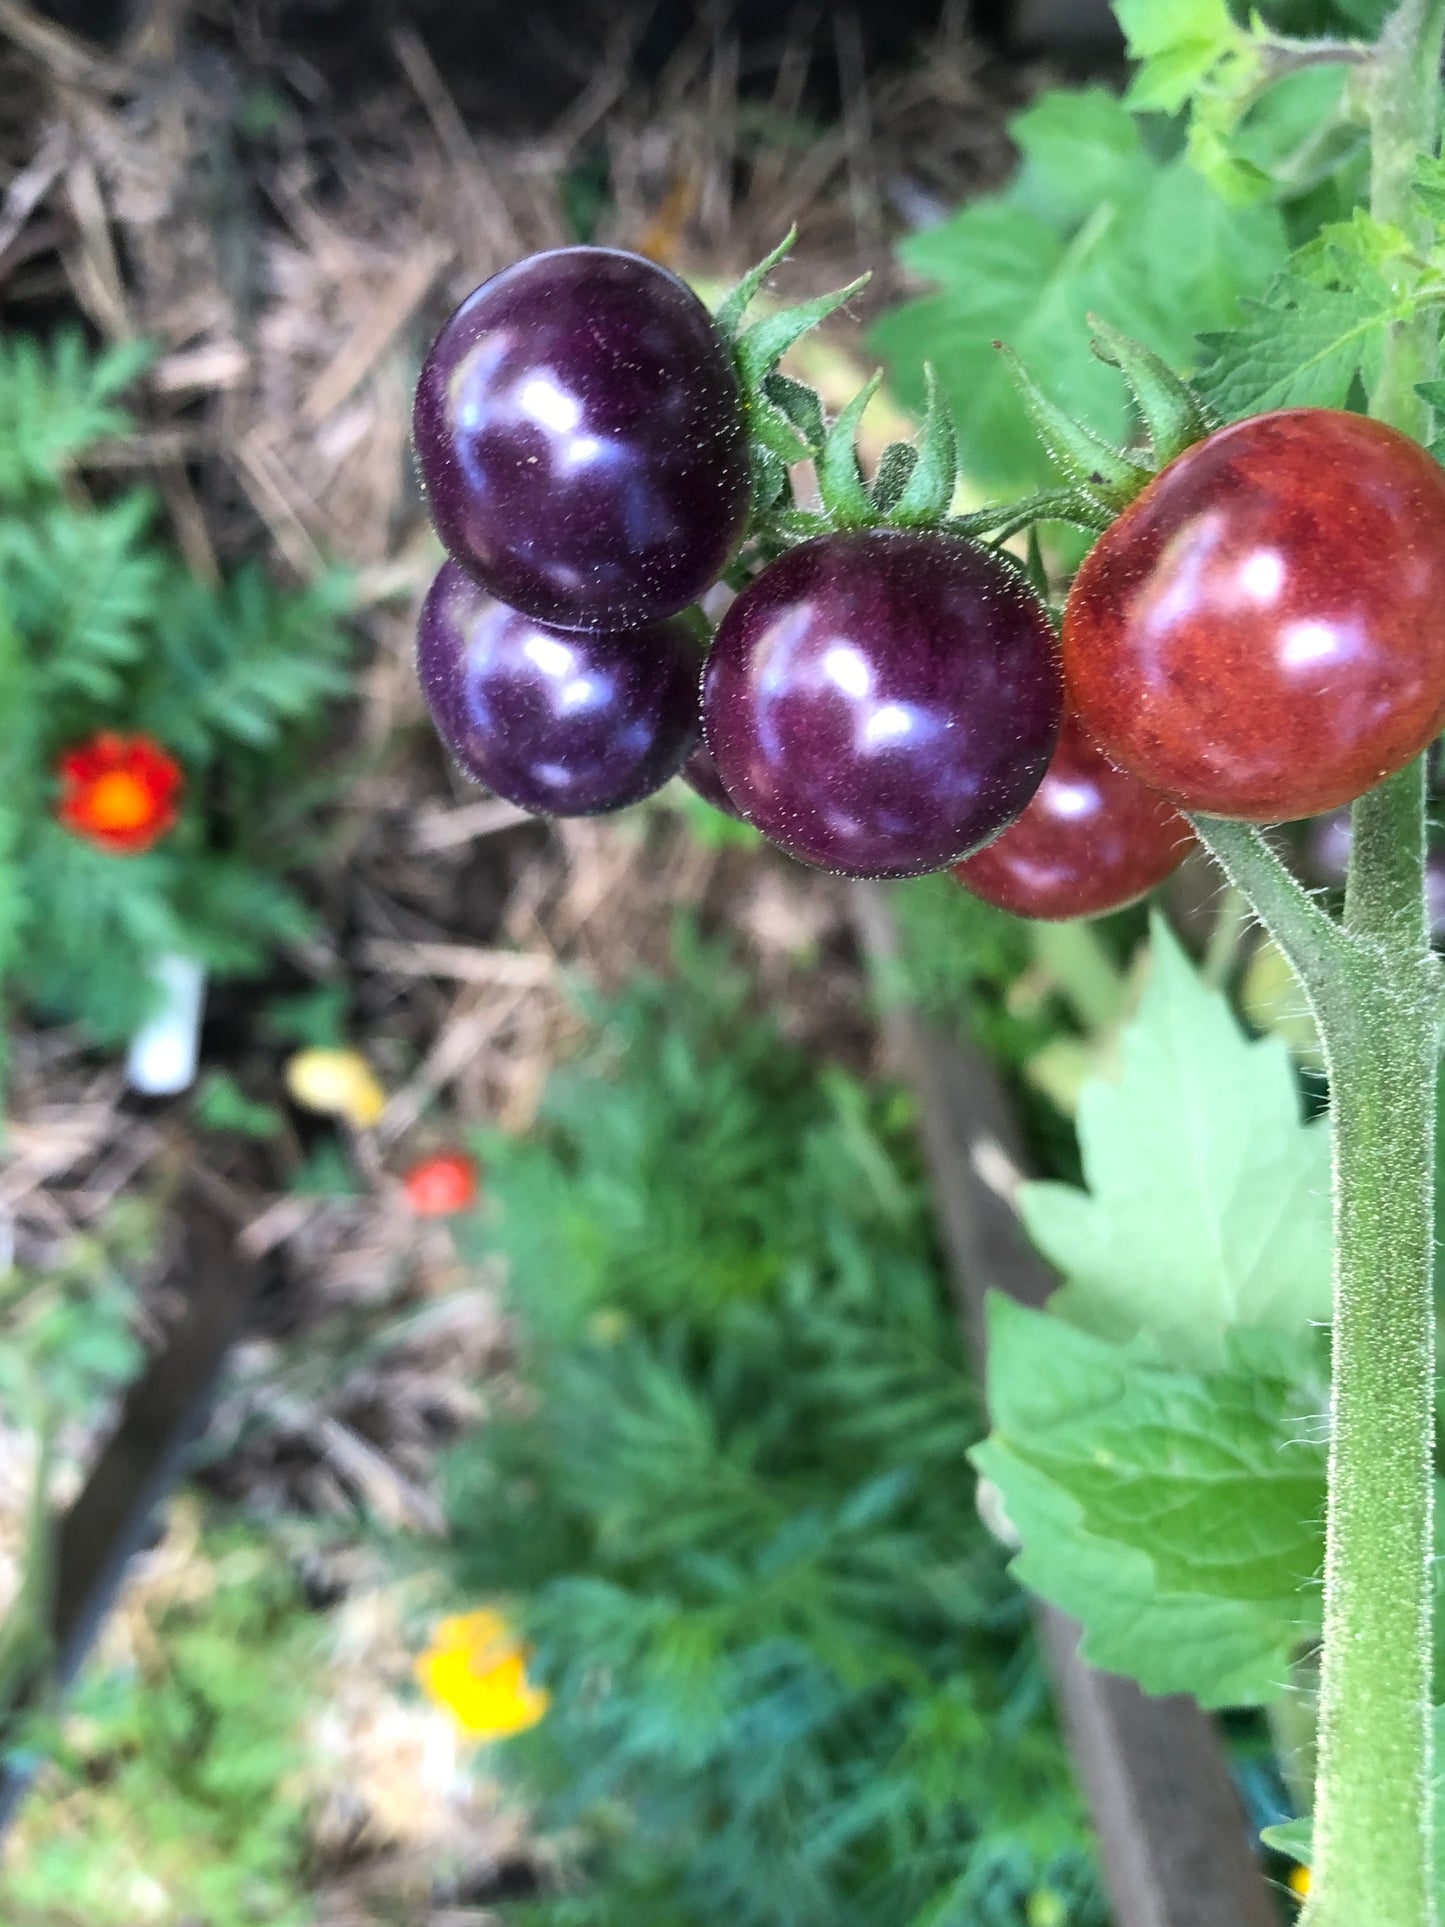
(772,430)
(800,405)
(763,345)
(1003,519)
(928,495)
(1173,414)
(1034,568)
(729,312)
(1081,457)
(846,499)
(895,465)
(770,478)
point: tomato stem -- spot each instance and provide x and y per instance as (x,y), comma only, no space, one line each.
(1376,992)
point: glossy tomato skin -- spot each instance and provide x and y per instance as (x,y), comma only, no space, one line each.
(1261,634)
(883,702)
(561,722)
(580,432)
(1091,840)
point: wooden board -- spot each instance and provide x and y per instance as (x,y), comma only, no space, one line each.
(163,1412)
(1174,1841)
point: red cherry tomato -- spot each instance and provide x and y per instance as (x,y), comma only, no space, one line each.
(1262,633)
(441,1185)
(1091,839)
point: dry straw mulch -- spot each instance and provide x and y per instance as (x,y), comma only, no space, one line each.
(289,245)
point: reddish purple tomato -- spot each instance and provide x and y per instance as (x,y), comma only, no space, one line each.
(564,722)
(1091,840)
(580,431)
(882,703)
(699,772)
(1262,633)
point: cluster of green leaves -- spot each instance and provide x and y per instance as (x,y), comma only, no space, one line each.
(1158,1438)
(102,627)
(1212,214)
(175,1791)
(790,1681)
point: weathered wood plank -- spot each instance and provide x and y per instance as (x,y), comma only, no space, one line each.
(162,1413)
(1173,1838)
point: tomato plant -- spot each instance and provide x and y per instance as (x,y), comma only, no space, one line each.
(1258,633)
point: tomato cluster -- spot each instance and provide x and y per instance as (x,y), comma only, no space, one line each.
(1260,634)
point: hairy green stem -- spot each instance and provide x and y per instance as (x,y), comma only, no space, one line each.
(1373,1846)
(1375,990)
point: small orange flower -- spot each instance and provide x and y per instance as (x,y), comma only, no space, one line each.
(477,1669)
(119,792)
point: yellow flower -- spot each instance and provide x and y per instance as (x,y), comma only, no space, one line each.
(1299,1880)
(337,1083)
(476,1668)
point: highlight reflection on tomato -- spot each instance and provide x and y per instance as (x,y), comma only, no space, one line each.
(882,702)
(1092,839)
(1261,634)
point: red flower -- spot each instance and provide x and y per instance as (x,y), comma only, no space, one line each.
(119,792)
(440,1185)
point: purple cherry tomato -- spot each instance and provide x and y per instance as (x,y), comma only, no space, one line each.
(563,722)
(580,430)
(884,702)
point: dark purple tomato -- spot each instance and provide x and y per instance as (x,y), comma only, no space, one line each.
(1091,840)
(581,436)
(564,722)
(1262,633)
(699,772)
(882,703)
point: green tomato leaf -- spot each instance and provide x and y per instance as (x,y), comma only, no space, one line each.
(1177,1515)
(1319,325)
(1093,224)
(1178,44)
(1208,1200)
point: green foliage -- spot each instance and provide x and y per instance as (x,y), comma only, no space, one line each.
(67,1338)
(103,628)
(1315,336)
(176,1794)
(1154,1443)
(221,1105)
(1207,1207)
(1177,1515)
(790,1683)
(1095,221)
